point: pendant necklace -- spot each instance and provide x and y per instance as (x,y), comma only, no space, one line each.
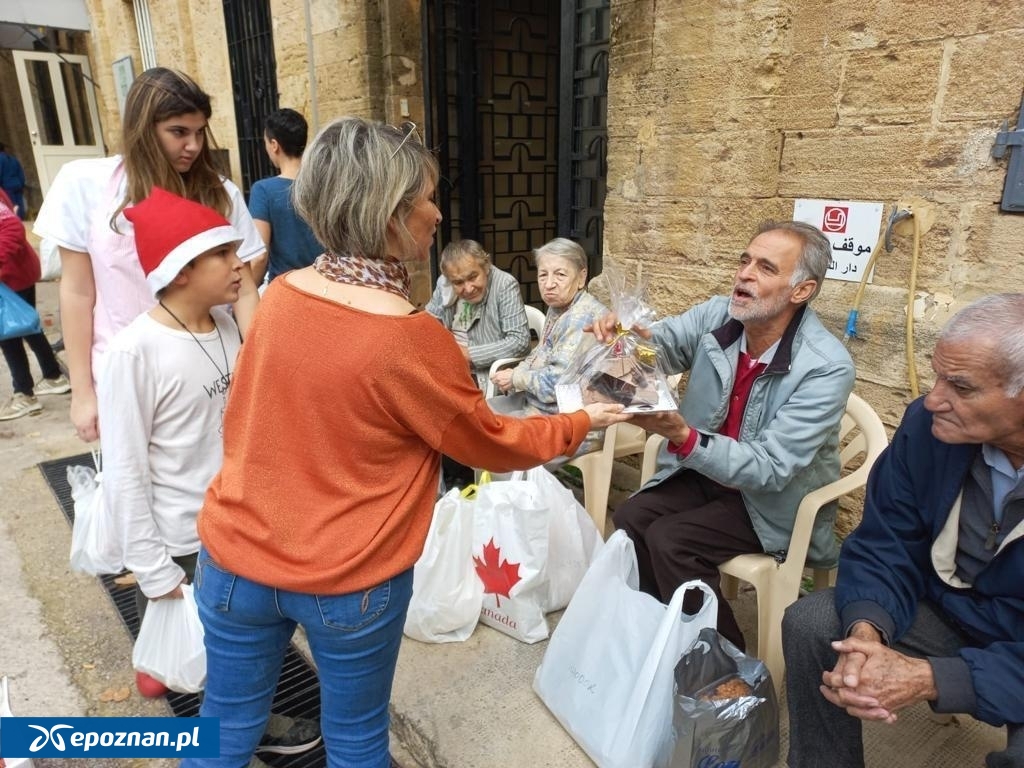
(227,367)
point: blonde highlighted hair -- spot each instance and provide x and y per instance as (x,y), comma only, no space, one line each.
(357,177)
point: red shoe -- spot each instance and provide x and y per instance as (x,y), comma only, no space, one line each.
(150,687)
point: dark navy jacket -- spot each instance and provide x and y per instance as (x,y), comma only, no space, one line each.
(898,556)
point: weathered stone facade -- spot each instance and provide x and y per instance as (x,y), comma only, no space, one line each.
(364,60)
(720,113)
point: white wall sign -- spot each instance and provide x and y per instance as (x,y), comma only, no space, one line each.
(124,74)
(851,227)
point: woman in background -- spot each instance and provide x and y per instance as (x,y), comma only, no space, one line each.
(562,279)
(481,305)
(19,271)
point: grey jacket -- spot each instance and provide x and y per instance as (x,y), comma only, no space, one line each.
(562,342)
(789,436)
(498,326)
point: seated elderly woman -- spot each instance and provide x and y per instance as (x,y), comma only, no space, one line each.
(482,307)
(562,276)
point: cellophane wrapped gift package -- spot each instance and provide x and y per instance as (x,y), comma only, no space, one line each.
(627,370)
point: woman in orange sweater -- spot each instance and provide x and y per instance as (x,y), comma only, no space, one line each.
(343,401)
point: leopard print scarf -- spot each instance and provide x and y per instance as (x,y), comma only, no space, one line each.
(388,275)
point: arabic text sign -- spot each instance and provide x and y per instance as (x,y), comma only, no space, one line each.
(851,227)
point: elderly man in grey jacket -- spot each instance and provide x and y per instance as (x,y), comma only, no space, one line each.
(756,429)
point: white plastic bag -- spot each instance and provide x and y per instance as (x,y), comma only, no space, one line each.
(446,594)
(510,545)
(573,540)
(607,674)
(5,711)
(170,644)
(49,259)
(96,546)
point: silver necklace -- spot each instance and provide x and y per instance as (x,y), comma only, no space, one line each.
(227,367)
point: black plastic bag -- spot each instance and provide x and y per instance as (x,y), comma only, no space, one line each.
(725,713)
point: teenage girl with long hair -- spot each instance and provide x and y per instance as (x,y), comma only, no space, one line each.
(166,143)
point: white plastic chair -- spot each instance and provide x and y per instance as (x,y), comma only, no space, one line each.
(621,440)
(596,468)
(535,319)
(778,584)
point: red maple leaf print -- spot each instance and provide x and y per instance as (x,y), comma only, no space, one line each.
(498,578)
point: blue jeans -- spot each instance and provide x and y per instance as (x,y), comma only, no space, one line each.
(354,640)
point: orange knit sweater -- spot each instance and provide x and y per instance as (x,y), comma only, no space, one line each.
(332,439)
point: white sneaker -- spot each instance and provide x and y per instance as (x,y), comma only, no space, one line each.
(58,386)
(18,406)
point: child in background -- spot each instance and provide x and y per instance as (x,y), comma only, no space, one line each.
(19,271)
(12,181)
(290,242)
(165,385)
(162,394)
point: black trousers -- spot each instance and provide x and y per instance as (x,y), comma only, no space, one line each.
(683,528)
(821,733)
(17,359)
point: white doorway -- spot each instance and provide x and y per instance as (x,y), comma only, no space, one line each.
(60,110)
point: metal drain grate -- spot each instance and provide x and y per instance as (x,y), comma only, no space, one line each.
(298,691)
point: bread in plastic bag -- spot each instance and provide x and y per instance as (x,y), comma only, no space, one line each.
(725,711)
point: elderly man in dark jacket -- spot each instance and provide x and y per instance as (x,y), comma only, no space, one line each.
(929,603)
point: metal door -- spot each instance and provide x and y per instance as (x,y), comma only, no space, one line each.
(583,131)
(253,82)
(516,94)
(60,110)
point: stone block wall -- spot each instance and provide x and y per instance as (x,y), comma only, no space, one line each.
(721,113)
(14,132)
(112,37)
(365,60)
(361,64)
(188,35)
(345,57)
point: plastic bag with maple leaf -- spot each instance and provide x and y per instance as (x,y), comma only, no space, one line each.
(446,594)
(511,550)
(626,370)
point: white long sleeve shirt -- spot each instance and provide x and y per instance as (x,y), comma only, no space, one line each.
(161,413)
